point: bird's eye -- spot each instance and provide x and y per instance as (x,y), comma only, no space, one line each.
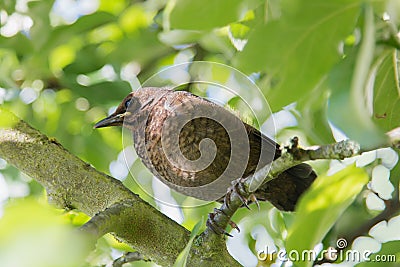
(127,103)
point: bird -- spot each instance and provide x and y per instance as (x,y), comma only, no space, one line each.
(198,148)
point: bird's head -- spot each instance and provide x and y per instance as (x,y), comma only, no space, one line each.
(132,108)
(124,115)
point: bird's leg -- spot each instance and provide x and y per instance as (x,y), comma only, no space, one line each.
(235,188)
(238,189)
(213,225)
(214,221)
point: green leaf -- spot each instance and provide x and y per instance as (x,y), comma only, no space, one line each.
(314,116)
(239,30)
(7,119)
(238,33)
(179,37)
(206,14)
(215,42)
(102,92)
(144,49)
(64,33)
(300,48)
(8,5)
(39,12)
(45,237)
(387,93)
(88,59)
(321,206)
(19,43)
(182,258)
(348,80)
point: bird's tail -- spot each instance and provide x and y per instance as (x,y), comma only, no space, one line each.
(285,190)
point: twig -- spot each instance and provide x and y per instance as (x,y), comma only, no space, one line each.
(129,257)
(294,155)
(291,156)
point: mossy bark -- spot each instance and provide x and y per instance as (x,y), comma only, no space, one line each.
(73,183)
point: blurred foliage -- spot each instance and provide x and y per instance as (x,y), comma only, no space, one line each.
(329,70)
(34,229)
(325,202)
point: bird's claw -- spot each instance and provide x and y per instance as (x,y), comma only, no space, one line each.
(212,224)
(237,190)
(234,225)
(253,198)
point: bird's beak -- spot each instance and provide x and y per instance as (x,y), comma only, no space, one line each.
(112,120)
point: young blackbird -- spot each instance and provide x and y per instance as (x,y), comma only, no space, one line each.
(196,147)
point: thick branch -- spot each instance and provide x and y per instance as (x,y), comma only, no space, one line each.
(72,183)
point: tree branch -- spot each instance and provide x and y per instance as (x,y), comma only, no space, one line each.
(129,257)
(294,155)
(72,183)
